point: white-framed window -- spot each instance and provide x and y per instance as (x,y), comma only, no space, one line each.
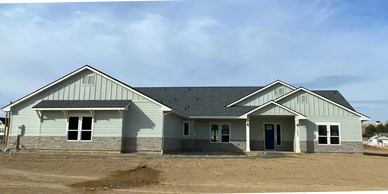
(301,98)
(79,128)
(186,129)
(220,132)
(329,134)
(88,80)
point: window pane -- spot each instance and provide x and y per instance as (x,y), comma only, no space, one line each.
(214,133)
(72,135)
(86,135)
(91,80)
(225,129)
(73,123)
(86,123)
(278,135)
(225,138)
(322,129)
(186,129)
(322,140)
(334,130)
(334,140)
(85,80)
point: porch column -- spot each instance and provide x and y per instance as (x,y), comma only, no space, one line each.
(296,138)
(248,139)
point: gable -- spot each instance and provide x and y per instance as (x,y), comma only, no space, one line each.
(265,95)
(314,106)
(272,109)
(72,87)
(102,89)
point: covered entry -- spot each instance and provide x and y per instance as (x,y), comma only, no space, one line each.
(272,127)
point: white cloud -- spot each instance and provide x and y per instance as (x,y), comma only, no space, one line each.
(253,43)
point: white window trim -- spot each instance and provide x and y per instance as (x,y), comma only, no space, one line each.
(183,132)
(79,126)
(220,128)
(281,134)
(328,133)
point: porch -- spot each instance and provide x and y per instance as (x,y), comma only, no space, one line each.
(271,133)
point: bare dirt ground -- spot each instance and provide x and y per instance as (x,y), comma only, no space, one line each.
(294,173)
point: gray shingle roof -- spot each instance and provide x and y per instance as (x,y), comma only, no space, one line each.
(82,104)
(211,101)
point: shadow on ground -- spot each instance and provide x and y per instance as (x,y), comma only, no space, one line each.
(138,177)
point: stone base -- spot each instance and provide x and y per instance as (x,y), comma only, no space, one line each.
(61,143)
(345,147)
(286,146)
(133,144)
(172,144)
(188,144)
(257,145)
(205,145)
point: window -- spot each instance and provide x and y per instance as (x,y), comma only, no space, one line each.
(186,129)
(79,129)
(329,134)
(88,80)
(278,135)
(219,136)
(1,130)
(301,99)
(279,91)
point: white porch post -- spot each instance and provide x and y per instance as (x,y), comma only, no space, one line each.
(248,140)
(296,138)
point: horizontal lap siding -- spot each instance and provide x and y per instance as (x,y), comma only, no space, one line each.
(143,119)
(173,126)
(202,128)
(318,110)
(257,126)
(107,124)
(103,89)
(263,96)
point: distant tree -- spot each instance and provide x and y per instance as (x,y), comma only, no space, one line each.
(380,128)
(370,130)
(386,127)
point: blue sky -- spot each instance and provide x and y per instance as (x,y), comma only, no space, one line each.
(318,44)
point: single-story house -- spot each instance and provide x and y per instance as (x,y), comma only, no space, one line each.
(90,110)
(378,139)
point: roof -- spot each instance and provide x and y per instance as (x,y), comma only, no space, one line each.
(212,101)
(58,104)
(2,119)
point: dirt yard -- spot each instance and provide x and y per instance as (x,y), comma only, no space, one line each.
(294,173)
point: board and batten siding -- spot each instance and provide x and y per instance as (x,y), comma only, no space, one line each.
(144,115)
(263,96)
(318,110)
(237,132)
(272,110)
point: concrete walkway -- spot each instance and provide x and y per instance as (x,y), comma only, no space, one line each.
(145,156)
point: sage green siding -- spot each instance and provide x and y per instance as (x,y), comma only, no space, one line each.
(143,118)
(314,107)
(173,126)
(350,127)
(263,96)
(257,126)
(202,128)
(103,89)
(272,110)
(318,110)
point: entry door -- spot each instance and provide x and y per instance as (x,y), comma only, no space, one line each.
(269,136)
